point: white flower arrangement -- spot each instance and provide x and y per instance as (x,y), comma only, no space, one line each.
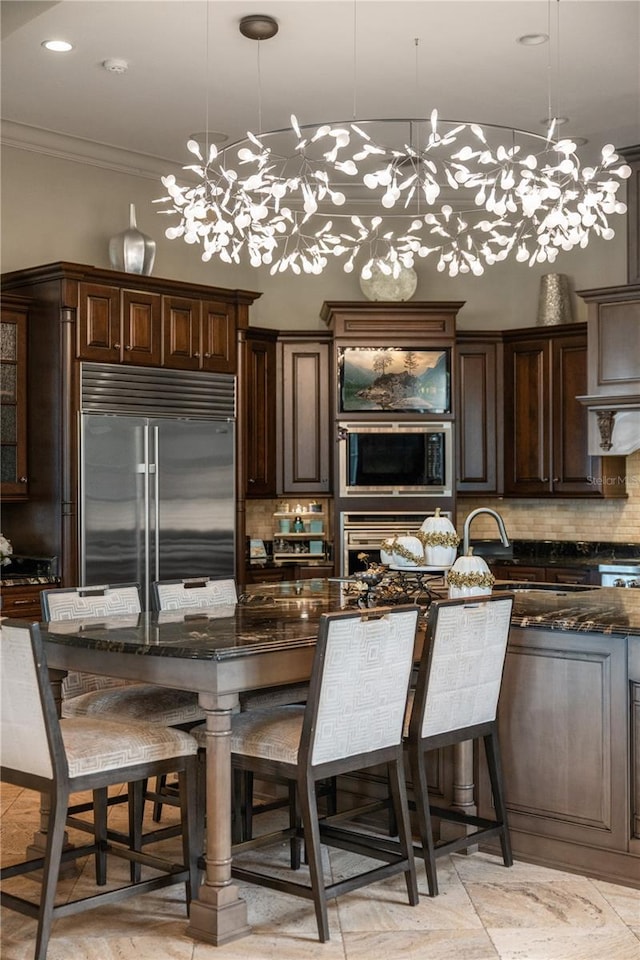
(5,551)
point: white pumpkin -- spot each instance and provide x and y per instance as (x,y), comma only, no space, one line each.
(469,577)
(386,551)
(440,540)
(408,552)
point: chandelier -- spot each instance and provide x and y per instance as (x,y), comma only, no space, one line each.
(448,189)
(383,193)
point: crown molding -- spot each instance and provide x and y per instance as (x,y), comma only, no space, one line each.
(22,136)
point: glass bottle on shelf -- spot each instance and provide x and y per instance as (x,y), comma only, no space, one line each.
(298,525)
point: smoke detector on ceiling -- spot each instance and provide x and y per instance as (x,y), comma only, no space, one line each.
(115,65)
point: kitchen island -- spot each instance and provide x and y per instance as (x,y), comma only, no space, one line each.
(570,730)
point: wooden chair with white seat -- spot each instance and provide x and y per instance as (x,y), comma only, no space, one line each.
(456,700)
(60,757)
(353,719)
(98,696)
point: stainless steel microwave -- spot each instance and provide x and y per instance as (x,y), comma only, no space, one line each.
(397,459)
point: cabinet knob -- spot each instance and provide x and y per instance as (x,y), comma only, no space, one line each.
(197,353)
(207,355)
(250,480)
(116,346)
(544,479)
(128,347)
(556,479)
(22,479)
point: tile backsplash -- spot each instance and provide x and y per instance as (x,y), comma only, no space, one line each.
(613,520)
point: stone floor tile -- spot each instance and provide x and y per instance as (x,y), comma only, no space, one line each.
(554,943)
(574,903)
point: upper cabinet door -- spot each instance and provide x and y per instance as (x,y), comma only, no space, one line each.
(99,326)
(478,386)
(141,313)
(527,440)
(218,336)
(181,333)
(258,416)
(304,417)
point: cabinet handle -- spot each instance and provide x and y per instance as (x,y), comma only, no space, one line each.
(207,355)
(556,479)
(197,353)
(250,480)
(116,346)
(22,479)
(21,603)
(128,347)
(544,479)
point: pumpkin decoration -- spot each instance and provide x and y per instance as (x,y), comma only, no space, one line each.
(386,551)
(439,539)
(469,577)
(408,552)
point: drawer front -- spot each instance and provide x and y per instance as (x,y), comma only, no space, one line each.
(22,602)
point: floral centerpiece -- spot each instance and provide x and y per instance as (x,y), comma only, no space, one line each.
(6,551)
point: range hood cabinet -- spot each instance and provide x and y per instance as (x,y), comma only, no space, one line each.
(613,401)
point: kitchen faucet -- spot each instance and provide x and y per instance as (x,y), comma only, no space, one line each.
(467,526)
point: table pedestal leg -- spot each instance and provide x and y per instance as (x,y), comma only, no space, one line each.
(463,794)
(218,914)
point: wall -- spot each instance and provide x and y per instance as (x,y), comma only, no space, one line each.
(617,521)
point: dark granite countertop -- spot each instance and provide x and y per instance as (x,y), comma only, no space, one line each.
(8,582)
(285,616)
(585,554)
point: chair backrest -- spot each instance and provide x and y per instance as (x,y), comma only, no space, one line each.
(359,683)
(31,742)
(461,669)
(75,603)
(193,592)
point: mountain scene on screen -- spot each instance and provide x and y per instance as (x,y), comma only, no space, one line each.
(394,380)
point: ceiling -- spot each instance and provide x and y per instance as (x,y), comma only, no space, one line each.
(331,59)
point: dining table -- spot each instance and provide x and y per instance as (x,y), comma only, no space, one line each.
(266,639)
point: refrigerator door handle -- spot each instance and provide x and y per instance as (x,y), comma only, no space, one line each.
(146,588)
(156,495)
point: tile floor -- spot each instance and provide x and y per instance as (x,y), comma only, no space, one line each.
(483,912)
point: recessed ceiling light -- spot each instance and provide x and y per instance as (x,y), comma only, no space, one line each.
(532,39)
(58,46)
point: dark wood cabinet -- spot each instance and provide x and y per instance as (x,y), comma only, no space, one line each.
(117,325)
(14,483)
(257,415)
(545,425)
(303,414)
(198,335)
(479,412)
(540,574)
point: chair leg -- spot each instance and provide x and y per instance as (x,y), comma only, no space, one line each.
(294,824)
(246,812)
(494,764)
(161,783)
(311,827)
(136,814)
(421,796)
(401,812)
(100,807)
(50,871)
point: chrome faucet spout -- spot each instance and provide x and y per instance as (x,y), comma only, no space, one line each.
(467,527)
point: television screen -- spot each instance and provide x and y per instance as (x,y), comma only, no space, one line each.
(394,379)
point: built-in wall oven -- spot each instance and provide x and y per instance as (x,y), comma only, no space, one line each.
(362,533)
(619,574)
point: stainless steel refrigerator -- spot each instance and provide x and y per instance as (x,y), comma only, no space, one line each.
(157,492)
